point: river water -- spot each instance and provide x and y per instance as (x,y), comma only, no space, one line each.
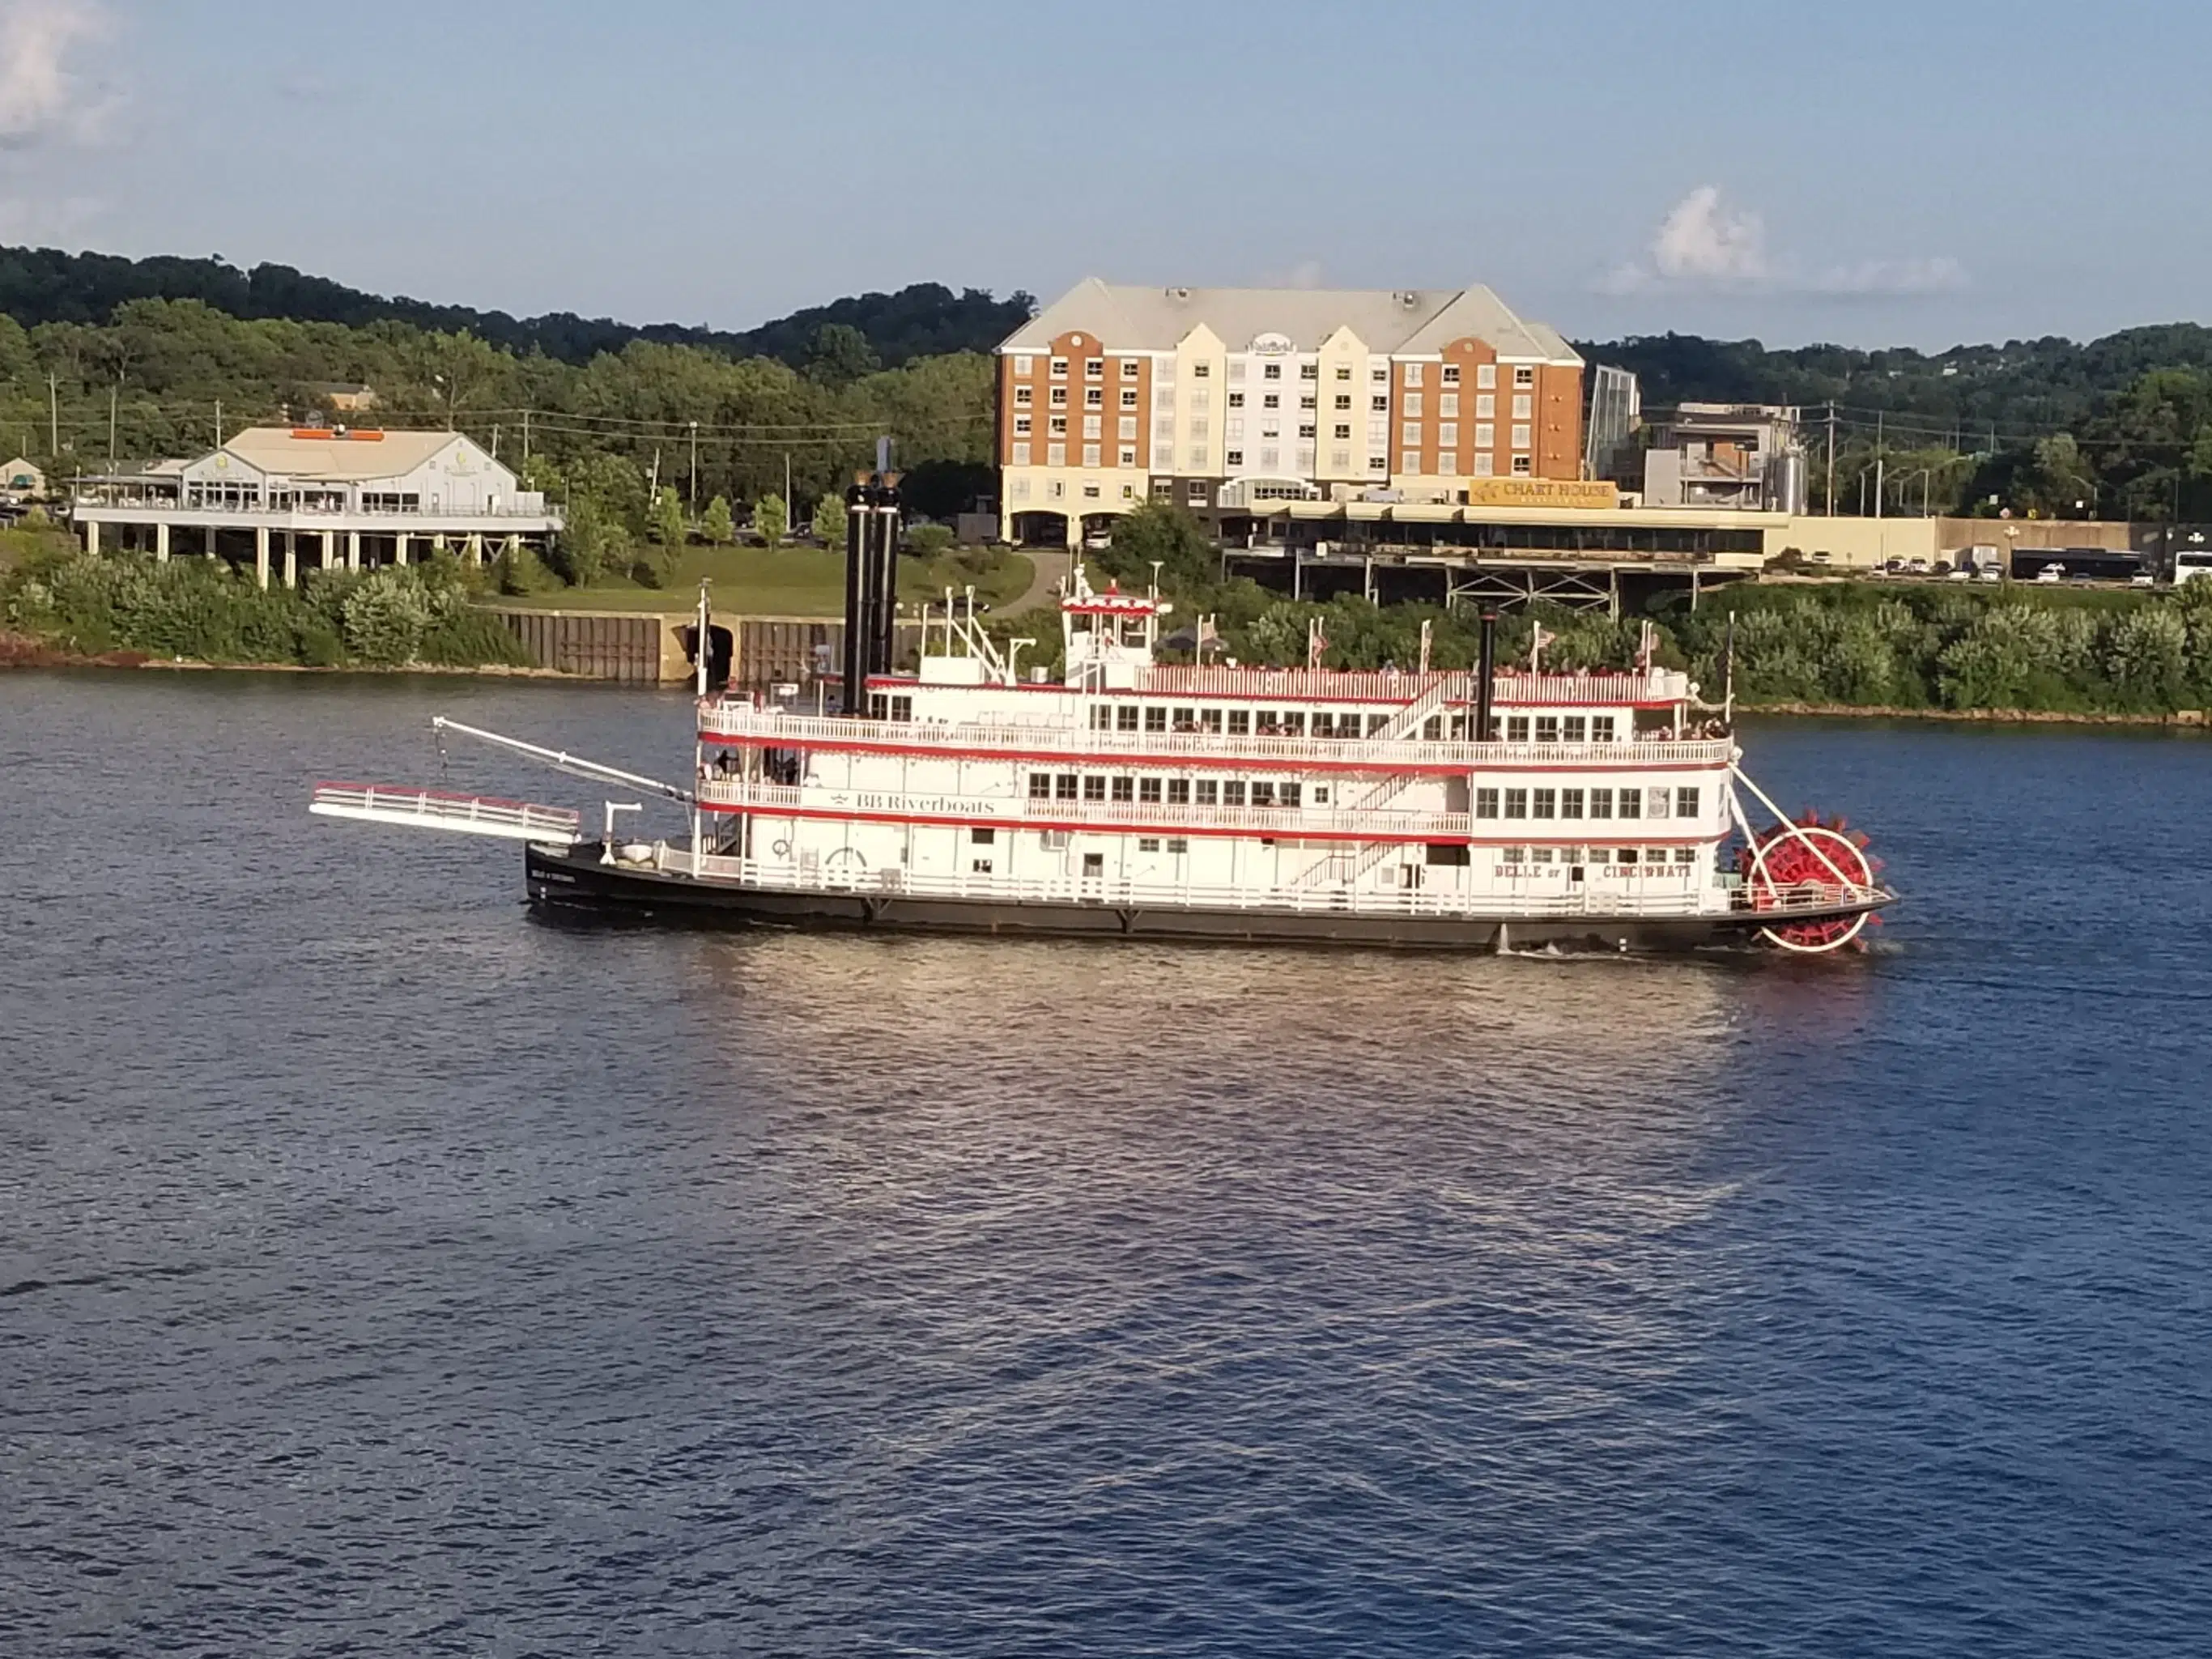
(381,1271)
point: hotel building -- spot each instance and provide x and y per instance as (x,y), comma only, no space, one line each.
(1229,401)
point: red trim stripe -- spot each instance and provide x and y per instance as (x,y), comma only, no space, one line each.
(1183,762)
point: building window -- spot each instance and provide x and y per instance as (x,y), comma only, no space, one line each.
(1056,488)
(1125,789)
(1056,455)
(1040,786)
(1485,464)
(1486,802)
(1447,435)
(1545,804)
(1094,368)
(1524,376)
(1485,406)
(1022,396)
(1236,400)
(1128,368)
(1516,803)
(1128,397)
(1412,374)
(1094,396)
(1234,458)
(1343,402)
(1410,463)
(1091,454)
(1309,371)
(1194,493)
(1451,374)
(1094,789)
(1600,803)
(1126,428)
(1600,728)
(1021,454)
(1090,425)
(1059,398)
(1412,401)
(1057,425)
(1232,792)
(1021,487)
(1522,467)
(1686,801)
(1521,437)
(1272,400)
(1307,402)
(1305,432)
(1523,407)
(1485,375)
(1378,463)
(1025,365)
(1341,432)
(1339,460)
(1448,405)
(1060,368)
(1571,805)
(1128,454)
(1178,791)
(1022,425)
(1410,433)
(1485,436)
(1209,792)
(1200,371)
(1272,372)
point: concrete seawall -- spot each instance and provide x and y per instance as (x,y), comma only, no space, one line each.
(646,648)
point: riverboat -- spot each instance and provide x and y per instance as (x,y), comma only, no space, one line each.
(1506,808)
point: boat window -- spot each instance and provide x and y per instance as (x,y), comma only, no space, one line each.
(1156,720)
(1625,855)
(1177,844)
(1517,728)
(1094,864)
(1512,855)
(1656,801)
(1102,718)
(1574,855)
(1294,722)
(1320,794)
(983,838)
(1545,806)
(1600,728)
(1432,728)
(1094,789)
(1547,728)
(1054,841)
(1447,853)
(1486,802)
(1570,728)
(903,708)
(1232,794)
(1209,792)
(1686,801)
(1686,855)
(1516,803)
(1288,794)
(1148,843)
(1064,786)
(1040,786)
(1125,789)
(1125,718)
(1264,723)
(1459,728)
(1600,803)
(1178,791)
(1186,719)
(1263,795)
(979,866)
(1240,722)
(1209,719)
(1539,855)
(1655,855)
(1375,723)
(1324,725)
(1632,802)
(1148,789)
(1571,803)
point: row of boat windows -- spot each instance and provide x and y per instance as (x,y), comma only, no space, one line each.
(1575,855)
(1172,792)
(1655,802)
(1296,723)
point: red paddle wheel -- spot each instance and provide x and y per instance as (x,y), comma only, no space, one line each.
(1794,864)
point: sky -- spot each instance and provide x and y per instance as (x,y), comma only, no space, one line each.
(1873,174)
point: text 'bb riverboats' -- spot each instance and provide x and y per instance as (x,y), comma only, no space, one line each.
(1500,809)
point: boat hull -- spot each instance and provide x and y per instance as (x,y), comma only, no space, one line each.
(576,885)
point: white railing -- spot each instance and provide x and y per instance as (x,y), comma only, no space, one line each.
(1513,685)
(1179,817)
(777,729)
(1675,899)
(435,809)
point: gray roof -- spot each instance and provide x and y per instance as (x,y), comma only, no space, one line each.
(1129,318)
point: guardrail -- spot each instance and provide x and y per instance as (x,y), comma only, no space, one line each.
(784,731)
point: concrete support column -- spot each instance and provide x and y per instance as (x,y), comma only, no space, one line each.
(352,550)
(399,550)
(438,543)
(161,542)
(475,548)
(261,554)
(207,534)
(515,546)
(92,536)
(291,558)
(330,551)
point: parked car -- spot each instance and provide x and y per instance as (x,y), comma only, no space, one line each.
(2052,574)
(1989,573)
(2143,579)
(1961,574)
(1917,567)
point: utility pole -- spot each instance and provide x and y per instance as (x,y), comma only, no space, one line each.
(1880,456)
(1832,458)
(495,441)
(54,414)
(790,507)
(695,466)
(111,426)
(526,438)
(218,423)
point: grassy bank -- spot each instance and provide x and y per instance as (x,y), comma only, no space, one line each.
(788,582)
(195,610)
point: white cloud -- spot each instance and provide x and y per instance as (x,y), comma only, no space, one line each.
(1704,244)
(41,96)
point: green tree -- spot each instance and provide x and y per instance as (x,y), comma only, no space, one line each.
(772,518)
(719,527)
(839,354)
(1160,532)
(829,519)
(669,526)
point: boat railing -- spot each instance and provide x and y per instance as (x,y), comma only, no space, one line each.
(1675,899)
(774,727)
(438,809)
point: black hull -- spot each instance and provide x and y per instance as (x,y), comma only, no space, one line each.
(576,885)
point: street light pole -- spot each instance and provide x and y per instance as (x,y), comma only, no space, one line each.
(695,467)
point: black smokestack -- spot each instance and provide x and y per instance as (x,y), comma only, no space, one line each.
(1486,670)
(854,667)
